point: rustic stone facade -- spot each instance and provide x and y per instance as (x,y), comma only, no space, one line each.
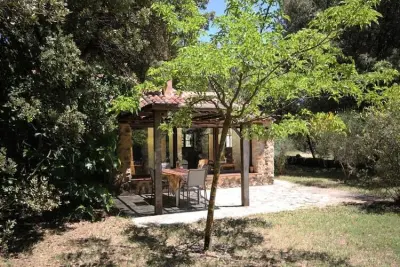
(263,160)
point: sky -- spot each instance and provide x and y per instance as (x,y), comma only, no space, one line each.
(219,7)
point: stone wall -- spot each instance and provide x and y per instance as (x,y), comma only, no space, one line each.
(204,144)
(263,160)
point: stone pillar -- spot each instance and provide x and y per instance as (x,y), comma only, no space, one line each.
(180,143)
(125,153)
(204,144)
(269,153)
(263,160)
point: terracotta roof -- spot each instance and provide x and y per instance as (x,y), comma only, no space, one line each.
(158,98)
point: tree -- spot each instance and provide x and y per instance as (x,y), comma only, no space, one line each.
(126,36)
(64,62)
(251,64)
(378,42)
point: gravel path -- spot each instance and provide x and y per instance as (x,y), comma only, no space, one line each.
(281,196)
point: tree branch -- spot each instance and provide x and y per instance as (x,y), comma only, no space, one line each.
(221,99)
(238,89)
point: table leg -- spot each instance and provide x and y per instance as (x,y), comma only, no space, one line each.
(177,194)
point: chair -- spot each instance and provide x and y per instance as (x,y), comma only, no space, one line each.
(165,184)
(165,165)
(202,163)
(185,164)
(195,181)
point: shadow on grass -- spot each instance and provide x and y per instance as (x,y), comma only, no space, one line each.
(92,252)
(332,174)
(377,207)
(299,257)
(30,231)
(236,242)
(329,178)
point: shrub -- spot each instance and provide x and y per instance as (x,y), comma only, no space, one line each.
(370,149)
(282,147)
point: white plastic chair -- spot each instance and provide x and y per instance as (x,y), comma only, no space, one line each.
(196,181)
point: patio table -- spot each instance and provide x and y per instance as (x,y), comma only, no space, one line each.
(176,178)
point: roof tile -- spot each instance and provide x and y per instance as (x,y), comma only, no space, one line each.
(157,98)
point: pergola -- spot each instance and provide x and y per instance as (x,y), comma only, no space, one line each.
(154,108)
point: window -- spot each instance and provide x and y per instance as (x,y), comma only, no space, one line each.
(229,139)
(188,140)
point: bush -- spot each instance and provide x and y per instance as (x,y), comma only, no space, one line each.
(282,147)
(371,147)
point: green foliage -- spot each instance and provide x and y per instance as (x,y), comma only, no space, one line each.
(282,147)
(139,137)
(247,65)
(370,48)
(125,104)
(366,45)
(183,20)
(67,68)
(368,149)
(91,197)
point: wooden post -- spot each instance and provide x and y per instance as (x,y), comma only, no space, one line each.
(158,205)
(174,147)
(215,144)
(245,160)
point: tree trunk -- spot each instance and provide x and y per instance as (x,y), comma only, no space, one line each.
(211,202)
(310,145)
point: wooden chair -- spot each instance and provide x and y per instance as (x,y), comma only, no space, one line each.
(196,181)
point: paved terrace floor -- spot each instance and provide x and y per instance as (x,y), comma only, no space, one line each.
(281,196)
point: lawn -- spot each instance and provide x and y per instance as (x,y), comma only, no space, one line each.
(352,235)
(331,178)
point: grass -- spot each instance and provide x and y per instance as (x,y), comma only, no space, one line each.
(331,178)
(352,235)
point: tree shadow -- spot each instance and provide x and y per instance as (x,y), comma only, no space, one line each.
(237,242)
(170,245)
(182,244)
(31,230)
(92,252)
(335,176)
(377,207)
(328,173)
(283,257)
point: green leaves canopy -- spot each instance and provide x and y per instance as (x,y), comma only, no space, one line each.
(251,64)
